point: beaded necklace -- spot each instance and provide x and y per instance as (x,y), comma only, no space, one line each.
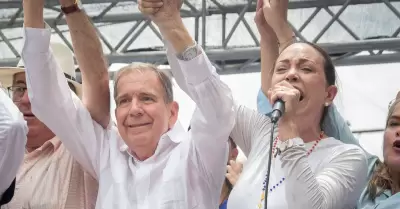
(274,186)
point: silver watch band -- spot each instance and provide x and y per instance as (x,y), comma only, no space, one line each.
(190,53)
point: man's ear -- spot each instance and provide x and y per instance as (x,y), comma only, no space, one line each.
(174,108)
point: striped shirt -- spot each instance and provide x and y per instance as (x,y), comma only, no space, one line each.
(49,178)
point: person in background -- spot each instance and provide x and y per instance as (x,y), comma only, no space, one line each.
(149,160)
(13,130)
(234,168)
(46,161)
(383,190)
(49,177)
(229,178)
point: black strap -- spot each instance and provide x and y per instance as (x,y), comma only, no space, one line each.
(8,194)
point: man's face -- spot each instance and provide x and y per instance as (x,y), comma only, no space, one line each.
(37,130)
(142,113)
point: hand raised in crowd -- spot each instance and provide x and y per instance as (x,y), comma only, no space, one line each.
(275,14)
(66,3)
(166,15)
(265,30)
(234,170)
(161,12)
(149,7)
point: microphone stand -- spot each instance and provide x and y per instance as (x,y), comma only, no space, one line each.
(271,141)
(276,114)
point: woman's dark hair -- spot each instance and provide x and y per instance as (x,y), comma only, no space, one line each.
(329,68)
(330,73)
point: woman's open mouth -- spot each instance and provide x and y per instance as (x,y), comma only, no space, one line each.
(396,145)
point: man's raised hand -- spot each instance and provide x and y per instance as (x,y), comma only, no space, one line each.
(162,12)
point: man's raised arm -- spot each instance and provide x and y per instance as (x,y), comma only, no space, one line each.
(213,119)
(52,101)
(89,54)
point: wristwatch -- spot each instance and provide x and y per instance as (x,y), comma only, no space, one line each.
(76,7)
(285,145)
(190,53)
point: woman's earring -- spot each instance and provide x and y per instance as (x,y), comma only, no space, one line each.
(326,104)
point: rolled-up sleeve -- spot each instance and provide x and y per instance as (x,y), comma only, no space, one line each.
(214,116)
(13,131)
(57,106)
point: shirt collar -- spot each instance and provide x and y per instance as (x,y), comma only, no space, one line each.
(176,134)
(53,143)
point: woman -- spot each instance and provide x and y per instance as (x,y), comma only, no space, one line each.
(309,169)
(384,187)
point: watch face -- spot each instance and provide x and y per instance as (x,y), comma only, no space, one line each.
(190,53)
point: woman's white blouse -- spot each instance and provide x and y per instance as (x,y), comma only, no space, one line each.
(331,177)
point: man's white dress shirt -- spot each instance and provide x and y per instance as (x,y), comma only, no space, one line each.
(187,169)
(13,130)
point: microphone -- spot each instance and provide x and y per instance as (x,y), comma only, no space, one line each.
(277,110)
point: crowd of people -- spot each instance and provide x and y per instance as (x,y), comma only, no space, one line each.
(59,147)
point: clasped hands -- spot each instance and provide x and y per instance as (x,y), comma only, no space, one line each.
(162,12)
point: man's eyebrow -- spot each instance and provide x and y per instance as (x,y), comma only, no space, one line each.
(20,82)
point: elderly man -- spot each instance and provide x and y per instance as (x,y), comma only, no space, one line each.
(49,176)
(151,161)
(13,130)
